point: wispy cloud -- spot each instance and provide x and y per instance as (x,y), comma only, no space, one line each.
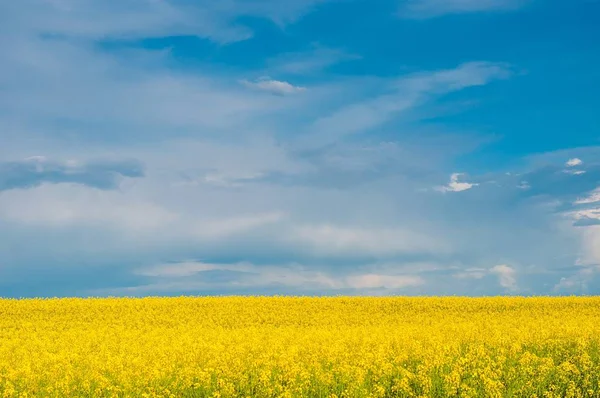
(36,170)
(311,61)
(401,95)
(273,86)
(140,19)
(69,205)
(471,273)
(371,281)
(225,179)
(225,227)
(593,197)
(332,240)
(199,275)
(422,9)
(587,217)
(189,268)
(138,98)
(575,172)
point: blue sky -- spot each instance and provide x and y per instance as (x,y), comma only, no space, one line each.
(318,147)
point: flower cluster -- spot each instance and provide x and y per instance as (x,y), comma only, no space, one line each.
(300,346)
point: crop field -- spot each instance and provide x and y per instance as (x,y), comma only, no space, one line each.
(297,347)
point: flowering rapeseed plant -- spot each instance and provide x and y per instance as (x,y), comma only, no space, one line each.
(296,347)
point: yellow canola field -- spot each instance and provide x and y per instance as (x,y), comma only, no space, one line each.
(296,347)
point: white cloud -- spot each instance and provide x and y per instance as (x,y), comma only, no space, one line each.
(224,227)
(577,283)
(470,74)
(373,281)
(590,238)
(36,159)
(455,185)
(130,213)
(575,172)
(421,9)
(506,276)
(593,197)
(225,179)
(574,162)
(585,217)
(399,96)
(223,164)
(51,80)
(327,239)
(408,268)
(471,273)
(585,214)
(33,171)
(189,268)
(273,86)
(311,61)
(69,205)
(189,275)
(141,18)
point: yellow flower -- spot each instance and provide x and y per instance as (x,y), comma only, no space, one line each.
(298,346)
